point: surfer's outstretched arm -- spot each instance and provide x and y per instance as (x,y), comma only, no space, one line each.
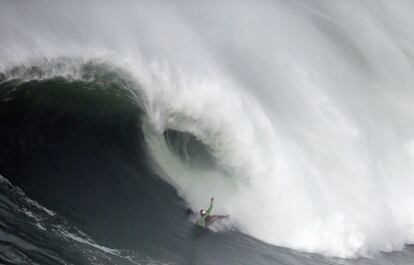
(210,207)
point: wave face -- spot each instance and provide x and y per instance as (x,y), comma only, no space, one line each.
(296,116)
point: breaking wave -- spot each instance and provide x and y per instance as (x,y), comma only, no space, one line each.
(303,134)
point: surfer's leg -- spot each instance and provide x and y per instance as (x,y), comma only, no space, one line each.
(213,218)
(216,217)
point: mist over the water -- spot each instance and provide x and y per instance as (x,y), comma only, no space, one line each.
(305,106)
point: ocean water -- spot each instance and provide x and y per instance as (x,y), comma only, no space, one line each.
(119,121)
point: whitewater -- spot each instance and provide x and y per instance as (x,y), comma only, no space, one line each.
(303,108)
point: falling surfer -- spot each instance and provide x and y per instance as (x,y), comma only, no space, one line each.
(206,219)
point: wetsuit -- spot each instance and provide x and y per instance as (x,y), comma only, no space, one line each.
(203,218)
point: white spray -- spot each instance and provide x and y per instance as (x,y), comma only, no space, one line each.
(307,105)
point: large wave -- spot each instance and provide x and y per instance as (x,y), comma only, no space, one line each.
(295,116)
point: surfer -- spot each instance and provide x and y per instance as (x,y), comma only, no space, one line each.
(206,218)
